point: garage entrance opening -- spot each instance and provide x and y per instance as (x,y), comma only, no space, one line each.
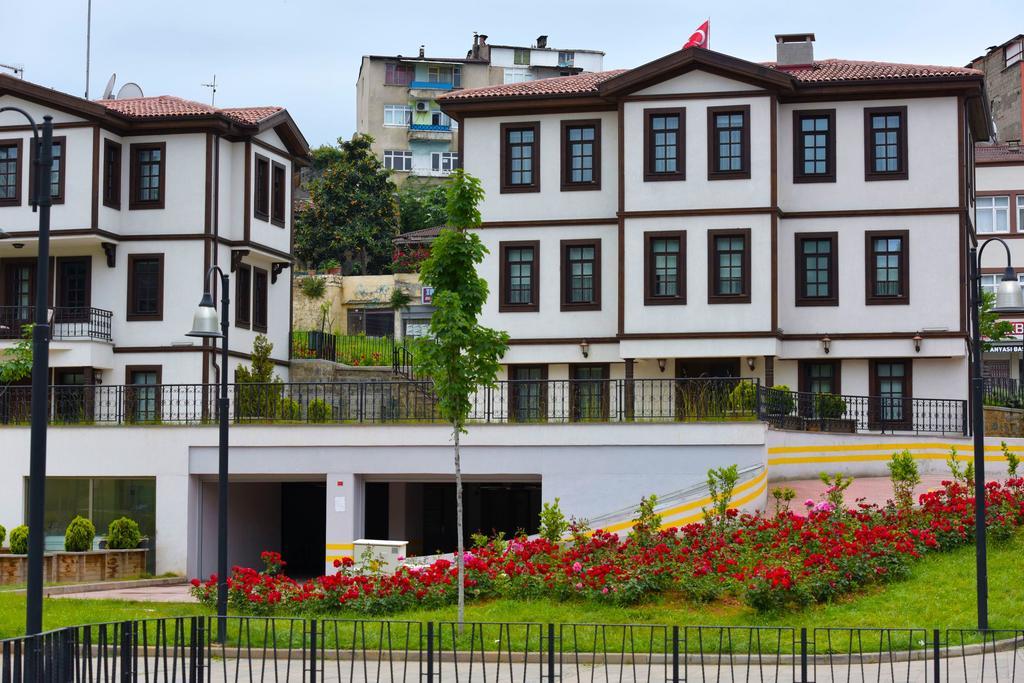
(303,527)
(423,513)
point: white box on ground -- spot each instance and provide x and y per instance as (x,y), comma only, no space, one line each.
(385,552)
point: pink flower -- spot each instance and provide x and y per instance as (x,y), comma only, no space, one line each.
(577,567)
(579,586)
(809,503)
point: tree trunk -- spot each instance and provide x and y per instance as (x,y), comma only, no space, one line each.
(461,551)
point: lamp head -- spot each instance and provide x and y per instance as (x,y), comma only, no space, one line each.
(205,322)
(1009,298)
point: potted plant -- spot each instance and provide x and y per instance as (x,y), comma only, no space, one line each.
(829,410)
(126,554)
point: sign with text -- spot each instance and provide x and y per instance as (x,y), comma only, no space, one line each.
(427,296)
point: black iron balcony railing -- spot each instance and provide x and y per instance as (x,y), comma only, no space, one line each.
(67,322)
(723,399)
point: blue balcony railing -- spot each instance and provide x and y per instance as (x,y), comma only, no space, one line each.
(430,127)
(431,85)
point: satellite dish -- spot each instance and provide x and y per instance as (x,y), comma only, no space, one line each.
(129,91)
(109,90)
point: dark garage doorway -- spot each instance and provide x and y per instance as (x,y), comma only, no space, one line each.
(304,527)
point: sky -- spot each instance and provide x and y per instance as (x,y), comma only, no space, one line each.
(305,54)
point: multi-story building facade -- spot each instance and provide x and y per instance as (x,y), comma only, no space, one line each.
(396,97)
(148,193)
(802,222)
(1003,66)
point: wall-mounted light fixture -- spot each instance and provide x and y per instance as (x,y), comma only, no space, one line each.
(585,348)
(917,342)
(826,344)
(661,364)
(751,362)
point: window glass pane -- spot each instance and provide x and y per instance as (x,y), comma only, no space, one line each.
(519,156)
(580,147)
(886,131)
(116,498)
(729,267)
(8,172)
(580,265)
(664,138)
(665,266)
(520,275)
(729,137)
(887,266)
(816,257)
(146,286)
(65,499)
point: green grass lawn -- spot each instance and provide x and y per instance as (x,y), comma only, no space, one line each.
(939,594)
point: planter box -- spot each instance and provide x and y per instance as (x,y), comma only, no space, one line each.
(835,425)
(63,567)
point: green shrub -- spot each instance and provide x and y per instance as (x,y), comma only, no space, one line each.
(743,397)
(318,411)
(313,287)
(836,488)
(123,534)
(79,535)
(553,524)
(829,406)
(19,540)
(783,496)
(721,484)
(904,475)
(780,400)
(1012,463)
(3,534)
(289,409)
(647,522)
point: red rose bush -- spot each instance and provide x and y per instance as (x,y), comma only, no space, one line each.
(768,561)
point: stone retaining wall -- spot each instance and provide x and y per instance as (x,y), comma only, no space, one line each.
(1004,421)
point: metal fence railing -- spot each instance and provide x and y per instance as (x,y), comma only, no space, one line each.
(1004,392)
(514,401)
(187,649)
(844,413)
(355,350)
(66,322)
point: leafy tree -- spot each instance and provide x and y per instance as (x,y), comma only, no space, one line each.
(463,356)
(323,157)
(16,361)
(421,205)
(264,399)
(992,326)
(352,214)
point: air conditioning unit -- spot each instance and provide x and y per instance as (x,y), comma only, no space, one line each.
(422,105)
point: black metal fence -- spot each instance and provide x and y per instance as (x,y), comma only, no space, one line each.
(844,413)
(1003,391)
(516,401)
(356,350)
(66,323)
(327,650)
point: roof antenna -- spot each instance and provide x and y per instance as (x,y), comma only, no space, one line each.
(17,69)
(212,85)
(88,44)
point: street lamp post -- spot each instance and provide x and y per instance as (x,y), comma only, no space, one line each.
(41,202)
(204,326)
(1009,299)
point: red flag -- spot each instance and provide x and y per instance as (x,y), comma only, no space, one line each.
(701,37)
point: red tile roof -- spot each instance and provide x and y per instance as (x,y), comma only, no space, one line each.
(833,70)
(823,71)
(990,154)
(580,84)
(169,107)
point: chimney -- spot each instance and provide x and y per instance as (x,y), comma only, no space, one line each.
(475,52)
(794,49)
(542,42)
(422,51)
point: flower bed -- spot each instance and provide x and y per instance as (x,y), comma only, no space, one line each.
(769,562)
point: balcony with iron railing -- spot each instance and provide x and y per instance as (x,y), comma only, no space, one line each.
(528,402)
(430,131)
(66,323)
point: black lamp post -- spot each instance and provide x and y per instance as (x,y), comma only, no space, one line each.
(1009,299)
(204,326)
(43,160)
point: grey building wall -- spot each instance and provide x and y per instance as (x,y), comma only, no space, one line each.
(1004,86)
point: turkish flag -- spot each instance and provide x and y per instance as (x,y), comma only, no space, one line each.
(701,37)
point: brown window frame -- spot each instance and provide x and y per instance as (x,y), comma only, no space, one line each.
(875,420)
(902,150)
(243,296)
(130,391)
(574,390)
(112,201)
(19,144)
(278,193)
(566,275)
(680,173)
(261,188)
(506,158)
(134,203)
(514,386)
(712,142)
(872,299)
(801,273)
(260,299)
(803,369)
(799,175)
(503,278)
(131,315)
(62,142)
(568,185)
(650,298)
(744,297)
(60,289)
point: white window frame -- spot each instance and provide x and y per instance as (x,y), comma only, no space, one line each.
(566,58)
(391,156)
(519,51)
(990,282)
(994,212)
(438,161)
(457,76)
(1013,52)
(391,109)
(437,73)
(517,74)
(439,118)
(1020,213)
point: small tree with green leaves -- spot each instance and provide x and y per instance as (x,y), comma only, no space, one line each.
(721,484)
(647,523)
(263,398)
(783,497)
(964,475)
(553,524)
(462,356)
(992,326)
(16,360)
(835,490)
(1012,459)
(905,477)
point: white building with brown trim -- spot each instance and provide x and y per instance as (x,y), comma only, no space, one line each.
(147,194)
(804,222)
